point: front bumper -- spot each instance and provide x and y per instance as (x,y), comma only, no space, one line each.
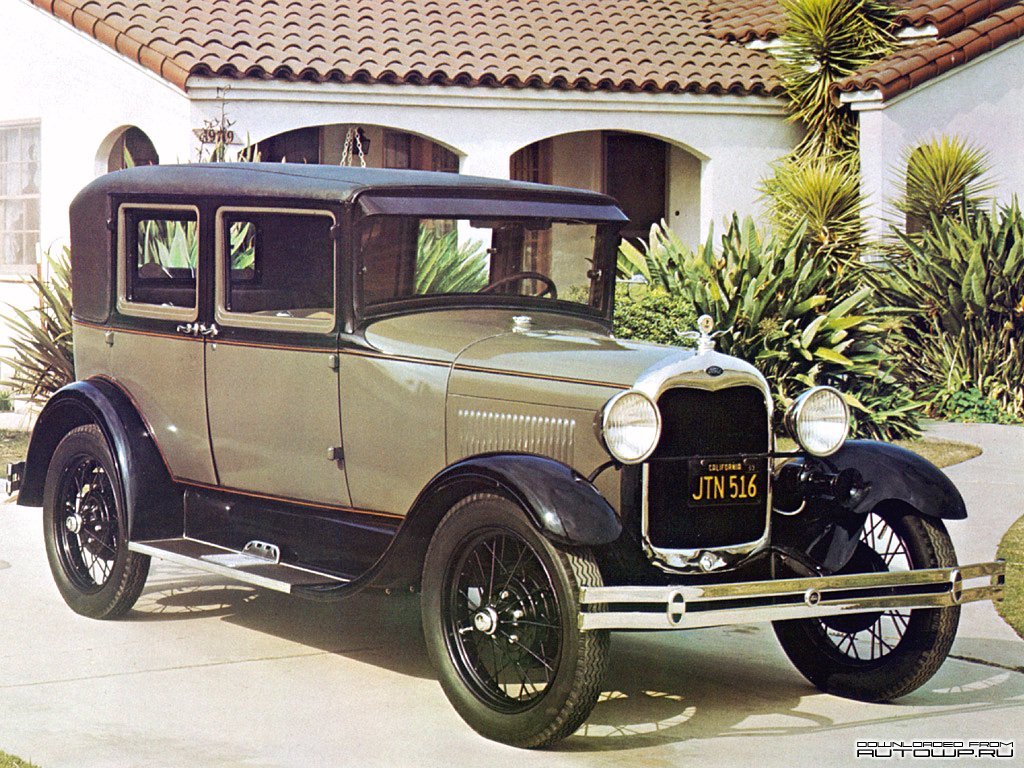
(689,607)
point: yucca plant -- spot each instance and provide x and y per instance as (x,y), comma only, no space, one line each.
(787,315)
(823,42)
(822,196)
(961,282)
(41,356)
(444,265)
(943,176)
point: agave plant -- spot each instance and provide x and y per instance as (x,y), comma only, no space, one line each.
(787,314)
(822,196)
(825,41)
(444,265)
(943,176)
(41,356)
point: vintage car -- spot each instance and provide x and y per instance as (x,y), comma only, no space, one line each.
(320,380)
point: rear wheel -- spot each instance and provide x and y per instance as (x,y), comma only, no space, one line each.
(500,618)
(882,655)
(85,529)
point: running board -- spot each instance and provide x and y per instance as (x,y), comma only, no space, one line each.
(248,566)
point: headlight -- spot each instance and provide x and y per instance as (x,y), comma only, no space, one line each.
(630,426)
(819,421)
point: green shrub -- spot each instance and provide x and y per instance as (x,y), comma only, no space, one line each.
(41,355)
(6,404)
(972,405)
(785,313)
(961,284)
(652,315)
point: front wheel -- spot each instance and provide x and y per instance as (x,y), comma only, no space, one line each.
(85,529)
(500,619)
(882,655)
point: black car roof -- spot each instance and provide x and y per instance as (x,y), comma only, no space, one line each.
(321,182)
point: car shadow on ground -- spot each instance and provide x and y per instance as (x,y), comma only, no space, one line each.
(660,688)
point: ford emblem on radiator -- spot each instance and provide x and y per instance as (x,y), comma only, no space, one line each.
(714,370)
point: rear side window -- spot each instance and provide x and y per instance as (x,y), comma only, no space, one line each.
(158,261)
(275,268)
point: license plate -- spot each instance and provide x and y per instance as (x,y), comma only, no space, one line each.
(717,482)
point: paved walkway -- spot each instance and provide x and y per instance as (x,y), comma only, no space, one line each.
(205,674)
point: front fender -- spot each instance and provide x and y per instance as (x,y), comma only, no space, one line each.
(152,503)
(873,474)
(562,503)
(891,473)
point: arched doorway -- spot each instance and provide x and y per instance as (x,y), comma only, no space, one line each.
(652,179)
(378,146)
(131,147)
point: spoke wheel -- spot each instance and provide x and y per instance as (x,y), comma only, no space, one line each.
(880,655)
(85,529)
(502,621)
(500,618)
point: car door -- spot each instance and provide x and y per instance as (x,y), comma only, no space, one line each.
(271,362)
(153,342)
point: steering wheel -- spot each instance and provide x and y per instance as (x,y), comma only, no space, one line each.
(549,284)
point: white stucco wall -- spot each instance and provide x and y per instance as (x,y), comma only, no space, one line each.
(982,102)
(80,91)
(734,139)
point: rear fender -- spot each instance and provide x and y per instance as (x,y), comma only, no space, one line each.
(151,499)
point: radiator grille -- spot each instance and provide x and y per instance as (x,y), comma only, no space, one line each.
(699,423)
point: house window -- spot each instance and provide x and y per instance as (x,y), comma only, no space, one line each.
(19,196)
(404,150)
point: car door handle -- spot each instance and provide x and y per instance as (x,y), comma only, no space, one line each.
(210,330)
(189,329)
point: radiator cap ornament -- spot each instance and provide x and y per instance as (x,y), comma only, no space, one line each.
(705,334)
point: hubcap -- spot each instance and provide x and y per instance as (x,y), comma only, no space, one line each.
(486,621)
(73,523)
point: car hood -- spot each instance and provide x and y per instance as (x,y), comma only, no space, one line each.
(556,346)
(572,356)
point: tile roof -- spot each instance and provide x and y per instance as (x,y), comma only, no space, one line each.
(653,45)
(970,31)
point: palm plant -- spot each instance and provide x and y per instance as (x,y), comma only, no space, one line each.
(822,196)
(41,354)
(444,265)
(825,41)
(943,176)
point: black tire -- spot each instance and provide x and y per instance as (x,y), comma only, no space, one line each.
(883,655)
(86,531)
(510,656)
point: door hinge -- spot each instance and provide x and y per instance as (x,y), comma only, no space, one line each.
(335,453)
(335,363)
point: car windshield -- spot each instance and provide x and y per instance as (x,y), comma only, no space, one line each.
(405,257)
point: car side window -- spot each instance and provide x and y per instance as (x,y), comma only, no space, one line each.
(158,260)
(275,268)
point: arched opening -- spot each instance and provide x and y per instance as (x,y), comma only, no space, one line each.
(651,179)
(130,147)
(375,146)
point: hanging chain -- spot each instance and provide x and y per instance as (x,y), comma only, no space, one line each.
(353,135)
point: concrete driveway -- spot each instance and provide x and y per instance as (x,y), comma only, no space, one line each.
(210,674)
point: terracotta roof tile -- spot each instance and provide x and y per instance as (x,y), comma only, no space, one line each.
(922,61)
(657,45)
